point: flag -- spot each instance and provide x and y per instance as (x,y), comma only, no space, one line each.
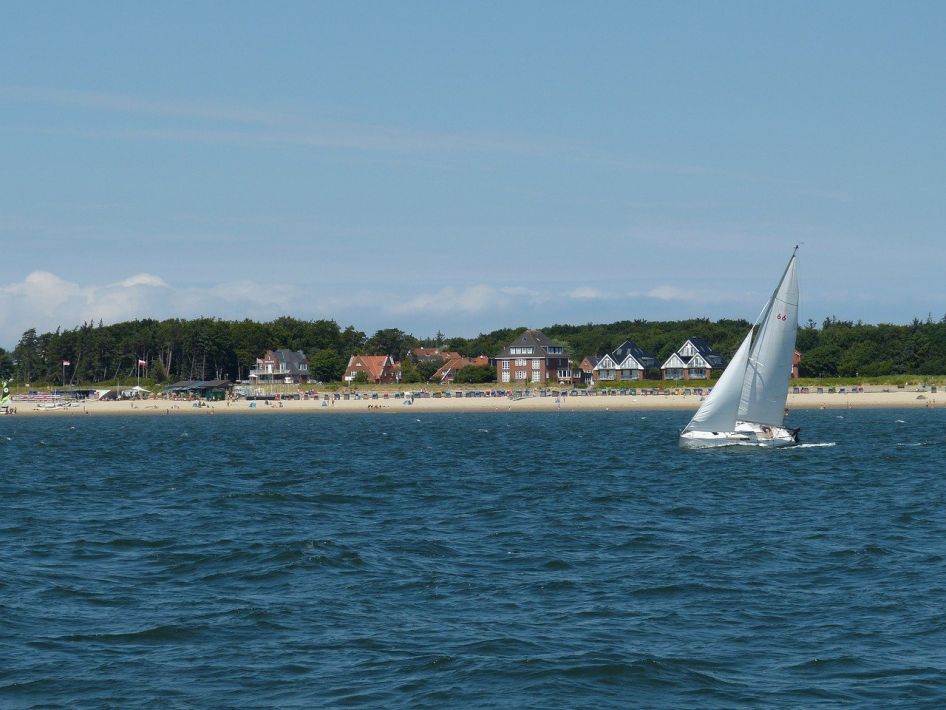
(66,363)
(143,363)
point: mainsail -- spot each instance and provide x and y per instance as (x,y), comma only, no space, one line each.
(765,388)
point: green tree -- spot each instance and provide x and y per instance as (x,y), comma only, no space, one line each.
(326,365)
(427,367)
(391,341)
(409,372)
(475,374)
(821,361)
(28,356)
(6,365)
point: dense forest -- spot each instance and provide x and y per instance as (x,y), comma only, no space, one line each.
(208,348)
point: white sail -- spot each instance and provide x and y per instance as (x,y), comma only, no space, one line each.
(765,388)
(718,411)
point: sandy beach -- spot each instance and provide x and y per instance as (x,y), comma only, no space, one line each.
(893,399)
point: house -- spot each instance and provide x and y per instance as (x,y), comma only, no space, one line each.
(796,361)
(627,362)
(585,371)
(532,357)
(448,371)
(379,369)
(215,390)
(427,354)
(694,360)
(287,366)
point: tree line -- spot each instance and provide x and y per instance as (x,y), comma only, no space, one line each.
(210,348)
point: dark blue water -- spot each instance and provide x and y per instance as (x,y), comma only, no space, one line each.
(502,560)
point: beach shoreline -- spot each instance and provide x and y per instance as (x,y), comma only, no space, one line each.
(896,399)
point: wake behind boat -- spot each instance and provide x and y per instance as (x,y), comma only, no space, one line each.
(747,405)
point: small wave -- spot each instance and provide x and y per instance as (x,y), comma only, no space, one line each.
(557,565)
(685,511)
(816,445)
(821,664)
(673,590)
(867,551)
(900,421)
(155,634)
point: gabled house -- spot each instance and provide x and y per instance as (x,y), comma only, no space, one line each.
(448,371)
(379,369)
(694,360)
(627,362)
(287,366)
(427,354)
(533,357)
(796,361)
(586,370)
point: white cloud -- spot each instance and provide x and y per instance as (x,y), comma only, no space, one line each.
(688,295)
(214,122)
(124,103)
(143,280)
(526,295)
(45,301)
(671,293)
(586,293)
(471,300)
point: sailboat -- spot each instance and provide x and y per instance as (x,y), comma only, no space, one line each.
(747,405)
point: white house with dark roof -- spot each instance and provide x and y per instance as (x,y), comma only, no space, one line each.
(694,360)
(532,357)
(626,362)
(288,366)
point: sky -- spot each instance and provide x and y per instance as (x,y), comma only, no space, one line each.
(463,167)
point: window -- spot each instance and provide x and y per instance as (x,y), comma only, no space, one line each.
(535,376)
(520,374)
(536,364)
(520,362)
(505,364)
(505,377)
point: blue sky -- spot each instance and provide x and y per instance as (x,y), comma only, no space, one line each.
(469,166)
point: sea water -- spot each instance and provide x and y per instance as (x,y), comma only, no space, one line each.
(489,560)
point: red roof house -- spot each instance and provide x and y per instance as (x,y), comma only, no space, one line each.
(379,369)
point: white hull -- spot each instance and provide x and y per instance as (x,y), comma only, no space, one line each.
(746,434)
